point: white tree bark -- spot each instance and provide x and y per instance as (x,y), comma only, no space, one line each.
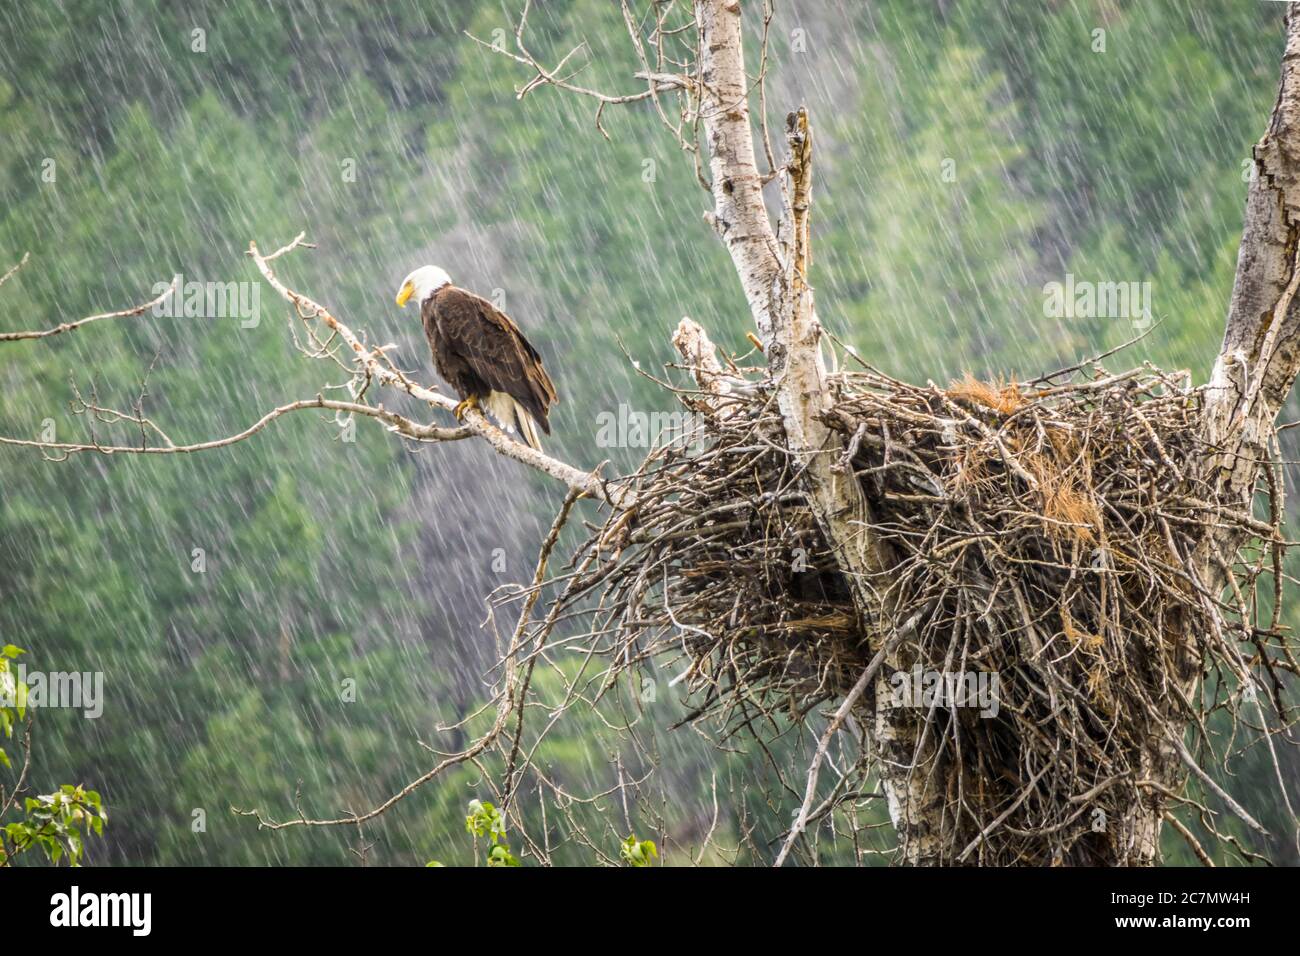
(1258,362)
(774,276)
(739,214)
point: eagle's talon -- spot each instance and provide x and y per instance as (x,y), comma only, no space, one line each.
(465,405)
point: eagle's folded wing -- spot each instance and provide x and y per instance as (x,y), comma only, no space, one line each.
(494,348)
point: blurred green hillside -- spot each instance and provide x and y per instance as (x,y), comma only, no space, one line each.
(968,154)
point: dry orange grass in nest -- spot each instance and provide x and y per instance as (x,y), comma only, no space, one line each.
(1003,397)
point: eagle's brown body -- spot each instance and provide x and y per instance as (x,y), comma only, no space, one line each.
(484,356)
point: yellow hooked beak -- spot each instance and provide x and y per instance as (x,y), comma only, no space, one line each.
(406,292)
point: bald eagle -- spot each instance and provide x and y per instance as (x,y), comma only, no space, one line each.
(481,354)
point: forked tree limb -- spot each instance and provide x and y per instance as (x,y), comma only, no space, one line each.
(773,276)
(370,365)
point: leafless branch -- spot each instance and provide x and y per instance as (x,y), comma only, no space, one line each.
(70,326)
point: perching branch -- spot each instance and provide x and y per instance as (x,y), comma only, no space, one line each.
(397,423)
(372,364)
(366,365)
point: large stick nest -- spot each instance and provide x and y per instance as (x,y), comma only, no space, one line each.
(1052,537)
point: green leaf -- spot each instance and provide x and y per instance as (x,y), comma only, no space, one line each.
(500,855)
(638,852)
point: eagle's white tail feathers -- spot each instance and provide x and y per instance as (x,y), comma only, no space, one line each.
(527,428)
(513,417)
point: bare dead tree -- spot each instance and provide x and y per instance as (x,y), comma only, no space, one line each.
(1088,535)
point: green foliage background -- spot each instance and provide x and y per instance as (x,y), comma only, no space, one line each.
(324,562)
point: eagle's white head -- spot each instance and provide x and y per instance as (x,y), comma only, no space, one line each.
(421,284)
